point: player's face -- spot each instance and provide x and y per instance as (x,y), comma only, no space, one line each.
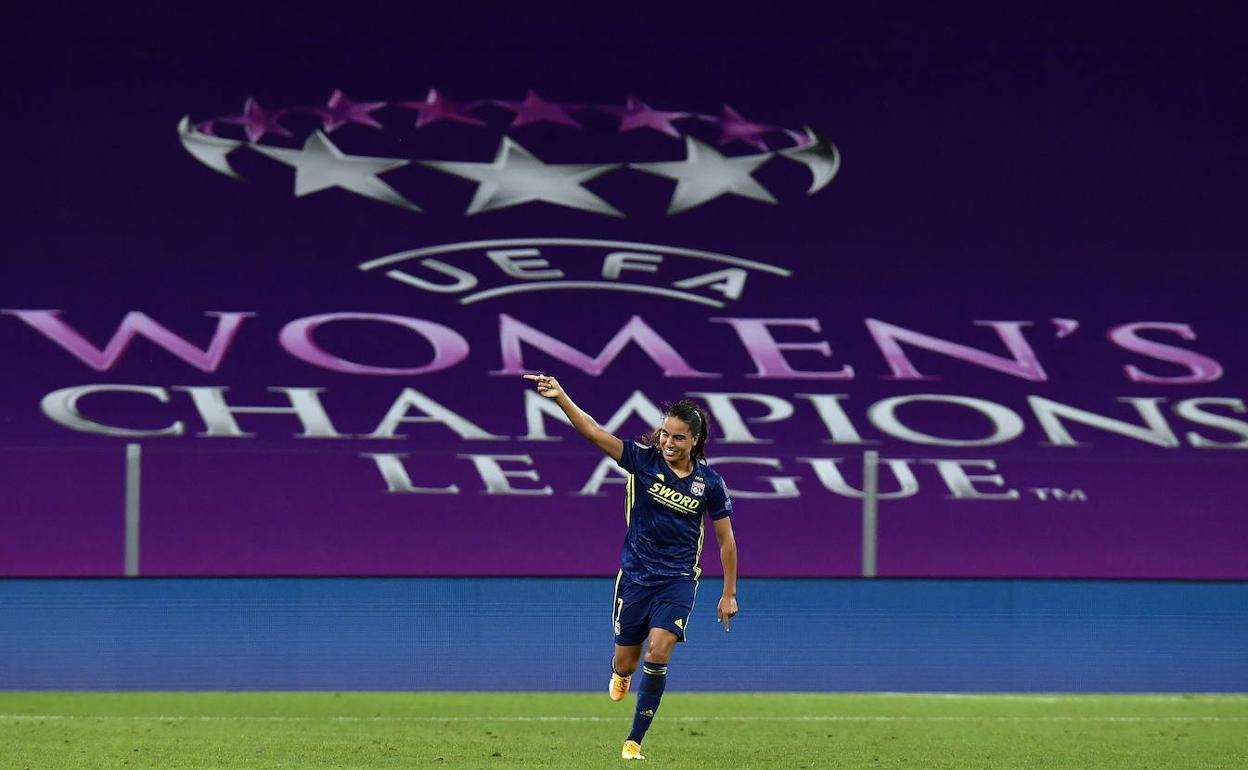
(675,441)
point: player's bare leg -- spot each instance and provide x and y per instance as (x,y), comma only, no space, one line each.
(659,646)
(623,664)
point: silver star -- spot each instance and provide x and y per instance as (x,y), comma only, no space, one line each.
(320,165)
(705,174)
(207,149)
(820,156)
(516,176)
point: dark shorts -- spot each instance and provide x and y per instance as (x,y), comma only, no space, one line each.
(637,609)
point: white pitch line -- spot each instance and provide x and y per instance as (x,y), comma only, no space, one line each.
(812,718)
(1203,698)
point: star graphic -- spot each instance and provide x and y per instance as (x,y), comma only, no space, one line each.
(734,128)
(637,114)
(340,110)
(320,165)
(535,109)
(257,122)
(207,149)
(437,107)
(819,155)
(705,174)
(799,137)
(516,176)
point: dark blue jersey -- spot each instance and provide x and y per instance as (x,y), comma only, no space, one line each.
(665,532)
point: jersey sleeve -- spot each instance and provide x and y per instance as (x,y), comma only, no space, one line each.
(633,456)
(718,502)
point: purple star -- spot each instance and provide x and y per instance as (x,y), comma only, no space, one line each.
(637,114)
(535,109)
(437,107)
(340,110)
(799,139)
(256,122)
(734,128)
(208,127)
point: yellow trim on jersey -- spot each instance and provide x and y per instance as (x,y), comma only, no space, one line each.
(628,499)
(697,571)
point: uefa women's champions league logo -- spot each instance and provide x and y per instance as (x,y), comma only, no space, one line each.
(722,152)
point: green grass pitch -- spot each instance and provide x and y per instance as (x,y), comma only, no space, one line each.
(553,730)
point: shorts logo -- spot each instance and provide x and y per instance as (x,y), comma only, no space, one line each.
(697,488)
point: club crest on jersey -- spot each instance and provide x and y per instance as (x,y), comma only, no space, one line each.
(697,488)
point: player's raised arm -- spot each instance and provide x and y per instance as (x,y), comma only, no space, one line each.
(585,425)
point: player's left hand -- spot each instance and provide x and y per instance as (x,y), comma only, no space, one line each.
(727,610)
(546,385)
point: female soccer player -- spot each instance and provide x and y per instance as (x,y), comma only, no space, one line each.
(669,489)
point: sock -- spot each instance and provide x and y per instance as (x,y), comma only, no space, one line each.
(653,678)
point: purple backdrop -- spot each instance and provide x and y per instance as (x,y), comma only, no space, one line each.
(1005,255)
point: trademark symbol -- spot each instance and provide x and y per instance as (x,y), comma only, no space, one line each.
(1045,494)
